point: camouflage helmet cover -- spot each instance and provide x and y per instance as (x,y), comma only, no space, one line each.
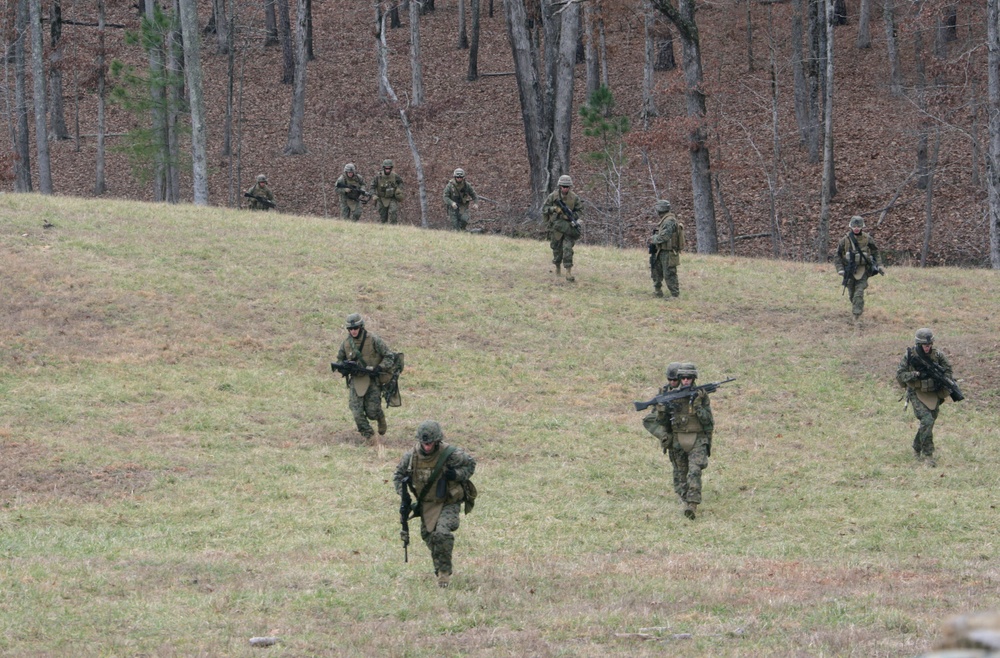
(459,173)
(857,222)
(672,369)
(349,167)
(429,432)
(687,370)
(925,336)
(662,206)
(354,321)
(261,178)
(565,180)
(387,164)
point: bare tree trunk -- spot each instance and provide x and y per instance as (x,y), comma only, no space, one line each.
(270,24)
(774,179)
(175,94)
(749,37)
(463,37)
(295,145)
(474,45)
(193,75)
(993,113)
(920,66)
(100,185)
(22,160)
(381,59)
(310,54)
(829,187)
(57,117)
(287,52)
(892,49)
(602,40)
(864,31)
(562,118)
(415,68)
(648,81)
(929,202)
(221,26)
(227,136)
(805,111)
(39,83)
(591,62)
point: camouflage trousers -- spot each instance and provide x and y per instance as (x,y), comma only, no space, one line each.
(661,271)
(688,467)
(388,213)
(350,209)
(459,217)
(365,408)
(442,541)
(562,249)
(856,291)
(923,442)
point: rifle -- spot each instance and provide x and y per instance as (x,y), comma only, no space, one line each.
(267,203)
(353,369)
(931,370)
(573,221)
(405,505)
(355,193)
(849,268)
(681,393)
(652,252)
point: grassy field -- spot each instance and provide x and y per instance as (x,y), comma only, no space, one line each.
(179,470)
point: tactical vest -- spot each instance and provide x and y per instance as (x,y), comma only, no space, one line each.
(366,356)
(685,419)
(422,467)
(862,267)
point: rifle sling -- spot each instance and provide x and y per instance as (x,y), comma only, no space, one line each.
(434,474)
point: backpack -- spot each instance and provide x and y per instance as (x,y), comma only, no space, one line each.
(470,495)
(678,239)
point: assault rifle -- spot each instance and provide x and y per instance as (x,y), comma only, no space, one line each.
(681,393)
(404,517)
(355,193)
(267,203)
(931,370)
(652,251)
(353,369)
(574,222)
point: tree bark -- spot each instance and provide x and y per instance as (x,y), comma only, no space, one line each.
(562,117)
(221,27)
(22,159)
(474,43)
(416,71)
(100,185)
(175,94)
(57,117)
(193,75)
(463,35)
(892,48)
(929,203)
(287,51)
(296,145)
(270,24)
(381,53)
(829,186)
(39,83)
(864,31)
(649,61)
(157,94)
(993,157)
(805,111)
(591,61)
(749,37)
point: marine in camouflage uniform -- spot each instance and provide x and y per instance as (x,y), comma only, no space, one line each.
(387,188)
(260,191)
(563,232)
(369,351)
(351,184)
(923,393)
(458,195)
(857,250)
(692,425)
(439,506)
(657,423)
(666,245)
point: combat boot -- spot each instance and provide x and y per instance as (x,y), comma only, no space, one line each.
(930,461)
(444,579)
(382,427)
(558,269)
(658,293)
(569,274)
(690,509)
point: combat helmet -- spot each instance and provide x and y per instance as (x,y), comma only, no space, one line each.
(672,369)
(662,206)
(387,164)
(925,336)
(349,167)
(261,178)
(565,180)
(857,222)
(459,173)
(429,431)
(355,321)
(687,370)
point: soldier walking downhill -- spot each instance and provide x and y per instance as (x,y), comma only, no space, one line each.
(657,423)
(369,351)
(387,188)
(562,210)
(435,472)
(665,250)
(924,393)
(692,424)
(857,259)
(351,190)
(458,195)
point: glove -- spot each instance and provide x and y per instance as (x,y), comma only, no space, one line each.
(475,206)
(405,536)
(450,474)
(840,272)
(454,205)
(908,376)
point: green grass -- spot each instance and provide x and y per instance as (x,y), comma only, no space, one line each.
(179,470)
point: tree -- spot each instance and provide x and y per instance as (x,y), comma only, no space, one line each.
(892,49)
(682,16)
(993,158)
(864,32)
(38,79)
(287,51)
(56,114)
(474,43)
(829,186)
(22,157)
(295,145)
(463,36)
(649,63)
(100,184)
(416,72)
(193,76)
(270,24)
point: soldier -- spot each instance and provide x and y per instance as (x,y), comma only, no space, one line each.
(260,195)
(657,423)
(387,187)
(692,425)
(922,392)
(458,194)
(351,190)
(665,250)
(370,352)
(436,473)
(562,210)
(857,259)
